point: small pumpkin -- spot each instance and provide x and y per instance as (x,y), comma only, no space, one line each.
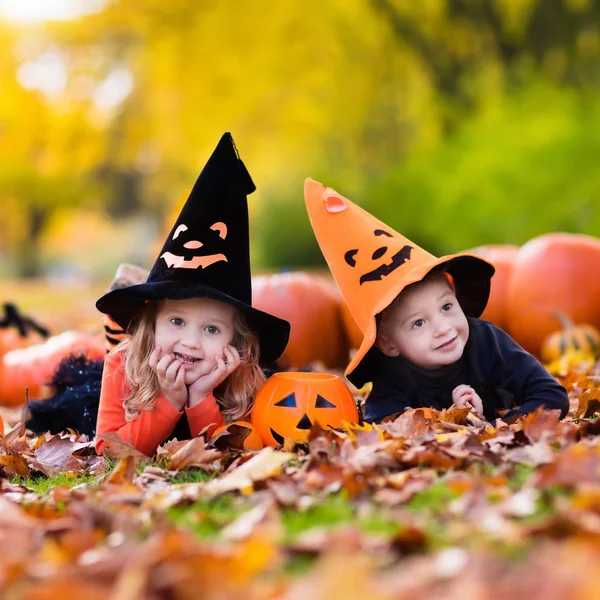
(32,368)
(290,403)
(311,304)
(19,331)
(252,442)
(571,338)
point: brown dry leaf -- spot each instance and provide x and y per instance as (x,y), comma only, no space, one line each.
(66,587)
(454,414)
(123,473)
(589,403)
(576,465)
(193,454)
(117,447)
(411,425)
(543,424)
(14,464)
(233,436)
(56,456)
(535,455)
(13,435)
(264,465)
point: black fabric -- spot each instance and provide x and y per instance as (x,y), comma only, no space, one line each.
(74,405)
(213,224)
(503,374)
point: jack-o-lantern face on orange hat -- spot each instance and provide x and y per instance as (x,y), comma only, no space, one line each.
(372,264)
(290,403)
(207,254)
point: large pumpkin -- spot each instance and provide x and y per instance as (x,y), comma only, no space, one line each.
(32,368)
(353,333)
(503,258)
(556,271)
(311,304)
(290,403)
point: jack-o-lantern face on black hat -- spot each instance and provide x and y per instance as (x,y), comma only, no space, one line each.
(191,256)
(381,254)
(290,403)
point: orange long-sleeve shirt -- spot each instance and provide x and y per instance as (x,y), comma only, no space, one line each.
(152,427)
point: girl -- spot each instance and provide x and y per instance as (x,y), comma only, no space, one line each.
(194,357)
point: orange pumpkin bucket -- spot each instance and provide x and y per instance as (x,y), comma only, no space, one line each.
(290,403)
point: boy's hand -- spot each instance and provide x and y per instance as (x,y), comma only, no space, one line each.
(170,373)
(205,384)
(465,395)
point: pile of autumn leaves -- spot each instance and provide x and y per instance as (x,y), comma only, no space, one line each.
(477,512)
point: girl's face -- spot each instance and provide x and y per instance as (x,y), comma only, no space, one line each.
(195,330)
(426,325)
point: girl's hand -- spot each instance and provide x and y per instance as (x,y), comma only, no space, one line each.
(465,395)
(170,374)
(205,384)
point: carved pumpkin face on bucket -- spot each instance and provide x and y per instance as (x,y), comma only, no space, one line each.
(290,403)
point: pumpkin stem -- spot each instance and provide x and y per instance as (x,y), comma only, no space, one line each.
(564,320)
(12,317)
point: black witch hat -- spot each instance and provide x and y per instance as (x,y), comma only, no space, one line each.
(207,254)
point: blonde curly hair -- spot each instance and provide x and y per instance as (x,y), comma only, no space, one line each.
(235,394)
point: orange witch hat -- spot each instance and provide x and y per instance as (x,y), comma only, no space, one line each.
(372,264)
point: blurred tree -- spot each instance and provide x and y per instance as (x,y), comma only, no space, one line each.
(354,93)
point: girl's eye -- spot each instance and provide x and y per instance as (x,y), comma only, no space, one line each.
(447,306)
(211,329)
(418,323)
(178,322)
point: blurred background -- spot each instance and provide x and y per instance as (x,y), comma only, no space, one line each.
(458,122)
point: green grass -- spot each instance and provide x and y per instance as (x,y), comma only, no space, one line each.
(192,475)
(41,485)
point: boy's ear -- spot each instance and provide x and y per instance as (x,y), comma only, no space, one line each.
(386,345)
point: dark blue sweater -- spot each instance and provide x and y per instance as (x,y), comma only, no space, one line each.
(503,374)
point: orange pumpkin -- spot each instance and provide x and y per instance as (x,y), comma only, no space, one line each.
(252,442)
(33,367)
(555,271)
(503,258)
(353,333)
(19,331)
(571,338)
(311,304)
(290,403)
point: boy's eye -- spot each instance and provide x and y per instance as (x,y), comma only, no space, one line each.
(211,329)
(447,306)
(418,323)
(177,321)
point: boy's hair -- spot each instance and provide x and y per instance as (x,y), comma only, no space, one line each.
(435,274)
(235,394)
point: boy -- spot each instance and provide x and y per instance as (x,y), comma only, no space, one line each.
(423,345)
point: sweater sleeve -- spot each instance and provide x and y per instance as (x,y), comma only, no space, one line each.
(147,431)
(388,395)
(519,373)
(205,413)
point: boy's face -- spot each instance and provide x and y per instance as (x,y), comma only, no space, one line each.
(425,324)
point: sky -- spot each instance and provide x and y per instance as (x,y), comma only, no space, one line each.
(29,11)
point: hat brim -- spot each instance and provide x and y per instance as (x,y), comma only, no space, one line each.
(471,275)
(124,305)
